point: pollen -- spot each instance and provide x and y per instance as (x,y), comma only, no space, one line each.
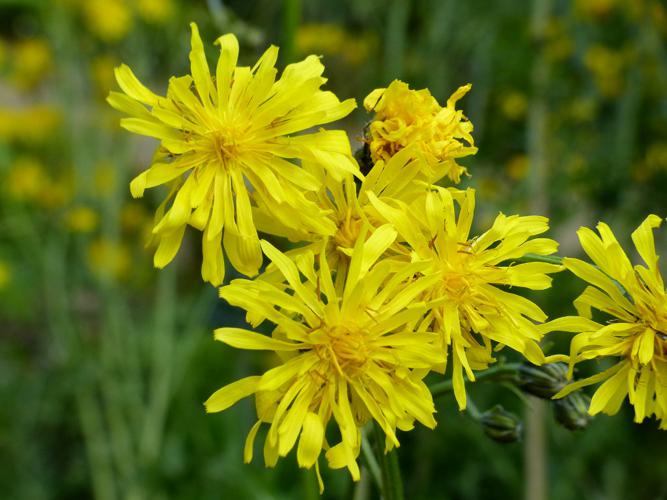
(346,349)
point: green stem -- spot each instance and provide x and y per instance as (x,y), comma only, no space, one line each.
(291,21)
(392,484)
(371,462)
(500,372)
(549,259)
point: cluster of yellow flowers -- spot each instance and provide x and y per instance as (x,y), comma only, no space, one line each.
(388,280)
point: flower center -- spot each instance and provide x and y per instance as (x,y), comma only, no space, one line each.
(226,143)
(348,232)
(346,349)
(456,285)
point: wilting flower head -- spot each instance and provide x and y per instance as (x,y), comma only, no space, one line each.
(404,117)
(352,351)
(637,335)
(225,148)
(473,309)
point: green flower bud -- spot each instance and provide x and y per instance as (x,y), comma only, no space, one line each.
(542,381)
(572,411)
(501,425)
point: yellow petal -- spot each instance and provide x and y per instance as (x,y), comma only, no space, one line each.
(199,67)
(245,339)
(230,394)
(249,442)
(213,261)
(610,395)
(168,247)
(133,87)
(229,53)
(643,240)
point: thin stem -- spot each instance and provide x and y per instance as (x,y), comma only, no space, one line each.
(392,484)
(371,461)
(549,259)
(291,21)
(500,372)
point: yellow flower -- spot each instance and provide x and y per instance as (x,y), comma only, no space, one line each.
(474,309)
(109,259)
(326,38)
(155,11)
(606,65)
(110,20)
(82,219)
(404,117)
(331,39)
(30,124)
(5,275)
(102,73)
(133,216)
(27,179)
(352,351)
(518,166)
(514,105)
(594,8)
(104,179)
(218,137)
(636,337)
(32,61)
(348,208)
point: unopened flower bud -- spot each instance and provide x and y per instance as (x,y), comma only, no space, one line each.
(572,411)
(501,425)
(542,381)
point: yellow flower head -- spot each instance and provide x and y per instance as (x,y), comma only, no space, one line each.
(472,309)
(108,259)
(82,219)
(33,124)
(5,275)
(353,351)
(110,20)
(636,337)
(347,208)
(220,136)
(27,179)
(155,11)
(404,117)
(32,62)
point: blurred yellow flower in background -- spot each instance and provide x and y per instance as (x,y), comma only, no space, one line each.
(155,11)
(514,104)
(102,73)
(4,50)
(82,219)
(31,124)
(5,275)
(133,216)
(26,179)
(636,338)
(109,259)
(218,137)
(110,20)
(405,117)
(517,167)
(594,8)
(32,61)
(105,179)
(332,39)
(607,66)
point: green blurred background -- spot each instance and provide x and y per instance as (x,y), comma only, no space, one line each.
(105,362)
